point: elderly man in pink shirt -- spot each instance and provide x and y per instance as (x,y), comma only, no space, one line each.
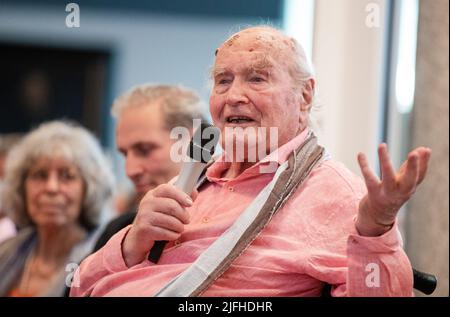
(332,228)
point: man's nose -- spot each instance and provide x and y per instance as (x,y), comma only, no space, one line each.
(237,94)
(132,166)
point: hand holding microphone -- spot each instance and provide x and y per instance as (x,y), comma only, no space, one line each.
(162,215)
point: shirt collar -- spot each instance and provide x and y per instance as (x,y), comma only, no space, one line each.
(279,156)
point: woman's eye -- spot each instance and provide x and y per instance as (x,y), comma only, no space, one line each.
(38,175)
(67,175)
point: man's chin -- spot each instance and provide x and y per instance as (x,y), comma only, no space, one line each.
(142,190)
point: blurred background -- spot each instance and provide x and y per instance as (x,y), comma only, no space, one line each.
(381,67)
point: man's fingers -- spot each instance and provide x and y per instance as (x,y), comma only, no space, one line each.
(167,222)
(172,208)
(369,177)
(424,158)
(194,194)
(164,234)
(387,171)
(409,179)
(170,191)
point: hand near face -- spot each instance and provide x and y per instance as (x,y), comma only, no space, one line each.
(379,208)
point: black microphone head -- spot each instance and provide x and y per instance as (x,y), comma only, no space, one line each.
(203,143)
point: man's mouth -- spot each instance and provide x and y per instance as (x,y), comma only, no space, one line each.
(239,119)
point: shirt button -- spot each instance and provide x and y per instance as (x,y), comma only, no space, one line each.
(231,189)
(177,242)
(205,220)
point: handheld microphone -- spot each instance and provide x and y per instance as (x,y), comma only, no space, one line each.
(200,150)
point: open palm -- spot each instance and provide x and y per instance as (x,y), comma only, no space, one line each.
(386,196)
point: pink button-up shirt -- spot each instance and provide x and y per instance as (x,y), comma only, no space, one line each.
(312,240)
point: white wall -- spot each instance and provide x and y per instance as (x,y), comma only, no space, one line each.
(348,59)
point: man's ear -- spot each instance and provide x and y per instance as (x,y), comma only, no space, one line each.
(308,94)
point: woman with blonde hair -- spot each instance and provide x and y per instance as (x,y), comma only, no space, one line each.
(57,183)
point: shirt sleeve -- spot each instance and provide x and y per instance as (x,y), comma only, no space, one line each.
(377,266)
(358,266)
(93,269)
(352,264)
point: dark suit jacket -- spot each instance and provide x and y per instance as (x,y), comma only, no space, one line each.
(113,227)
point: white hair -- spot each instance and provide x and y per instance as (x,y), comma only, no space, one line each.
(62,140)
(179,105)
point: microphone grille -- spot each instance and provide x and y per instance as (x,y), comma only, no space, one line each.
(203,143)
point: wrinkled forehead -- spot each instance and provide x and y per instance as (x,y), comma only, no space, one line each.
(269,42)
(247,63)
(255,49)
